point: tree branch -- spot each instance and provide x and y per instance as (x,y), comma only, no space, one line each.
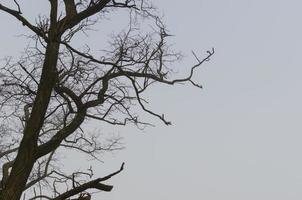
(67,23)
(56,140)
(94,184)
(8,152)
(25,22)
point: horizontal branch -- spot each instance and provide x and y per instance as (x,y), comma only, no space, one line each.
(94,184)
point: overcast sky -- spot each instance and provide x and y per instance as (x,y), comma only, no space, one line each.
(237,139)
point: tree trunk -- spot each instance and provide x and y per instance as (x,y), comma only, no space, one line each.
(25,159)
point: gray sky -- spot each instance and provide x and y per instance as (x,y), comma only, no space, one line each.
(238,138)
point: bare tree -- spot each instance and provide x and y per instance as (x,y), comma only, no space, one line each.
(49,94)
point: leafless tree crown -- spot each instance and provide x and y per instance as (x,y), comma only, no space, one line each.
(55,88)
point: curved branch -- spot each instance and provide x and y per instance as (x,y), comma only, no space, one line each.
(56,140)
(64,90)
